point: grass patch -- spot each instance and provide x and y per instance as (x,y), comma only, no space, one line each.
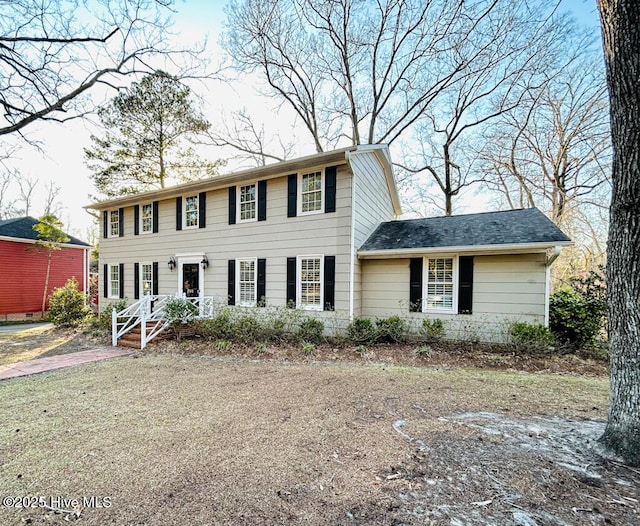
(175,439)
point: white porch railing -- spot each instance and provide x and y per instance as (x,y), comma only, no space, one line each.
(148,313)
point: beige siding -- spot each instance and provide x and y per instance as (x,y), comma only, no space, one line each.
(275,239)
(506,289)
(372,206)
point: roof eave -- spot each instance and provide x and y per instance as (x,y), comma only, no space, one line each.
(335,157)
(511,248)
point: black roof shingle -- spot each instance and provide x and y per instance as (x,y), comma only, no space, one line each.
(489,228)
(22,228)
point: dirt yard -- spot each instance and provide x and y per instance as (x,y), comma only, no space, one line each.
(172,439)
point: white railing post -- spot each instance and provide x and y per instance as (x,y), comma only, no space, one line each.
(114,327)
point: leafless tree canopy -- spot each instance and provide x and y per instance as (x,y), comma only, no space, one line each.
(53,52)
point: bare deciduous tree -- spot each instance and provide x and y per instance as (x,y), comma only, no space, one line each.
(53,53)
(554,151)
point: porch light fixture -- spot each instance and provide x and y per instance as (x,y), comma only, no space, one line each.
(205,262)
(172,263)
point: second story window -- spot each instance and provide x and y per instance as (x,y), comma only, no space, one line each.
(114,223)
(248,202)
(191,211)
(147,218)
(311,192)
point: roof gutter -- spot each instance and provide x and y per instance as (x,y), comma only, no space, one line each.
(477,249)
(335,157)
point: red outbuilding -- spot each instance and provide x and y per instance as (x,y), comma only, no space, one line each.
(23,268)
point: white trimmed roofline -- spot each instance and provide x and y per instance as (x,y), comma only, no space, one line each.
(512,248)
(33,242)
(332,158)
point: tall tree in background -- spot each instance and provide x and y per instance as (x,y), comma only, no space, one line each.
(148,132)
(554,150)
(433,74)
(50,237)
(52,54)
(621,36)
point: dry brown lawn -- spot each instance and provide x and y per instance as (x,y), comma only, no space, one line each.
(163,439)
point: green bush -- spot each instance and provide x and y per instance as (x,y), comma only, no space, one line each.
(362,331)
(310,330)
(247,328)
(537,338)
(67,305)
(179,310)
(577,313)
(218,328)
(392,329)
(432,330)
(104,319)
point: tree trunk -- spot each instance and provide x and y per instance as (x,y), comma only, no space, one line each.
(46,284)
(621,37)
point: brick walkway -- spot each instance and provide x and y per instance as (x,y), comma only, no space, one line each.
(40,365)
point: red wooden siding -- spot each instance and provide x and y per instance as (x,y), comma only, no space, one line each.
(23,271)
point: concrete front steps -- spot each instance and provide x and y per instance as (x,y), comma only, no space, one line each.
(133,337)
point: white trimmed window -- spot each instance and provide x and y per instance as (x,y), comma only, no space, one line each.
(114,281)
(246,270)
(248,200)
(146,218)
(310,289)
(191,211)
(311,190)
(114,223)
(146,279)
(440,284)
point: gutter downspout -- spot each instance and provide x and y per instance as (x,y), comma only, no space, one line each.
(352,237)
(549,262)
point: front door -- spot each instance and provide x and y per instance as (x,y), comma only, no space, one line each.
(191,280)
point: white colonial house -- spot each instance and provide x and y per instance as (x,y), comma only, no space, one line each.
(320,233)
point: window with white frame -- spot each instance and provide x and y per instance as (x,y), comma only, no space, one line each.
(114,223)
(248,202)
(146,218)
(310,282)
(191,211)
(114,281)
(146,279)
(311,192)
(440,284)
(246,283)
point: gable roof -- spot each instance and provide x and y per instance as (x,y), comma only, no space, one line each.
(22,228)
(524,229)
(330,158)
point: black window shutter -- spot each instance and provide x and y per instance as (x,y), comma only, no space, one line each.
(415,285)
(105,224)
(202,210)
(261,288)
(121,280)
(330,189)
(231,284)
(291,282)
(232,205)
(178,213)
(136,281)
(156,219)
(121,221)
(105,280)
(136,220)
(465,284)
(292,195)
(155,279)
(329,282)
(262,200)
